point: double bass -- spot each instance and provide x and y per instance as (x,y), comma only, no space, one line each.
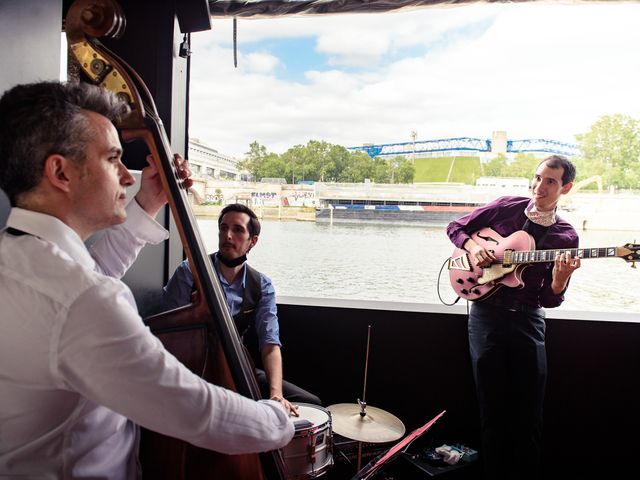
(201,335)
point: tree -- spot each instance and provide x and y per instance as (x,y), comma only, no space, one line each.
(381,170)
(254,159)
(611,149)
(318,160)
(338,159)
(359,166)
(271,166)
(404,171)
(321,161)
(293,161)
(523,165)
(496,166)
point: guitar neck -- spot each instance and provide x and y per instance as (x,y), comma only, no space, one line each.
(541,256)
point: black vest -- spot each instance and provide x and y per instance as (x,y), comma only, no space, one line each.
(245,320)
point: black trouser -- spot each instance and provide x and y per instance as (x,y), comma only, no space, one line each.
(510,371)
(291,392)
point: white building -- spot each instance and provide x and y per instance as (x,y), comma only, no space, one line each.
(206,161)
(509,183)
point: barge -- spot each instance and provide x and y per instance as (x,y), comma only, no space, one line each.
(420,214)
(420,204)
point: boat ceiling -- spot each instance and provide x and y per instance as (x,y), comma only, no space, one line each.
(274,8)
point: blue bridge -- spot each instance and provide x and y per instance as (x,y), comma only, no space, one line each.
(466,144)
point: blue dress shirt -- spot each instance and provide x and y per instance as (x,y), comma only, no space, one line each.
(177,292)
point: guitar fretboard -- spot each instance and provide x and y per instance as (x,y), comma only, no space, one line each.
(538,256)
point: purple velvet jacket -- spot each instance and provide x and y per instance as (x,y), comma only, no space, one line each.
(506,215)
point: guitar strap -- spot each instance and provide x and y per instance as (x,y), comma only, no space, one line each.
(539,235)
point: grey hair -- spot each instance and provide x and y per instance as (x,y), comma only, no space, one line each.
(45,118)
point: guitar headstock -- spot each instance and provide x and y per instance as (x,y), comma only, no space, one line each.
(629,252)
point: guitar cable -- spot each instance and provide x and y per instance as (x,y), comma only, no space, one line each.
(438,286)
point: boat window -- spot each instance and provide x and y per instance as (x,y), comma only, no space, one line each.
(357,138)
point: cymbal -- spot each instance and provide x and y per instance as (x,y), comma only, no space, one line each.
(377,426)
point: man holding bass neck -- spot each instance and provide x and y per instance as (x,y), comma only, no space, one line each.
(507,329)
(77,365)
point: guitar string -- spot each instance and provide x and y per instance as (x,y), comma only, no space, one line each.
(542,256)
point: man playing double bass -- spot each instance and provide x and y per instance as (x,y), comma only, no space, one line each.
(77,365)
(507,329)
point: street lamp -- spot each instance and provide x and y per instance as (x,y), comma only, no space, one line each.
(414,135)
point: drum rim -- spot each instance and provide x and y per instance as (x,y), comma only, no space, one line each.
(314,428)
(304,432)
(324,450)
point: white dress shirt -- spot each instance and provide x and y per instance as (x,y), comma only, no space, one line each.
(76,362)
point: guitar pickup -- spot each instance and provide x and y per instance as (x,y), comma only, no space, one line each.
(507,259)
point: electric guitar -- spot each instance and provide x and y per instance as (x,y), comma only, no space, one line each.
(513,254)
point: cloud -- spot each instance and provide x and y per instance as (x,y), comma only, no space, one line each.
(353,47)
(536,71)
(260,62)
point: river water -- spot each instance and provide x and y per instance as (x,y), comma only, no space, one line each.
(402,263)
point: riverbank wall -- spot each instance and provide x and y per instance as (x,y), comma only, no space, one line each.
(432,204)
(300,214)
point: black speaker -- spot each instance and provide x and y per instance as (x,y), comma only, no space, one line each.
(193,15)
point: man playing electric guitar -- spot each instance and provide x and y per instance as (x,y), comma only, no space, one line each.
(507,328)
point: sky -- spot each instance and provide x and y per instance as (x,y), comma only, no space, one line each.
(533,70)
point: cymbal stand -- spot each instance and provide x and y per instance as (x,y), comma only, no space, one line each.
(363,403)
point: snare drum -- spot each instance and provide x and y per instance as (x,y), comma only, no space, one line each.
(309,454)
